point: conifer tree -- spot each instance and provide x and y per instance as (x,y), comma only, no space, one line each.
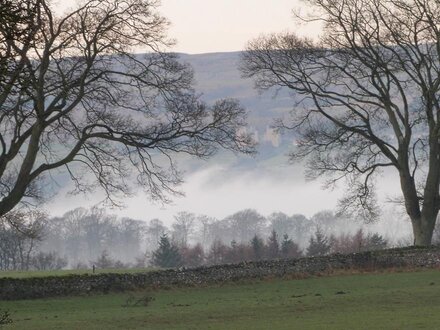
(167,254)
(273,247)
(257,247)
(289,249)
(319,244)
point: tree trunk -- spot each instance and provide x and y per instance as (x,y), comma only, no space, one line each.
(423,216)
(423,229)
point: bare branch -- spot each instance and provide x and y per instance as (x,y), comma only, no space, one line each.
(369,91)
(74,97)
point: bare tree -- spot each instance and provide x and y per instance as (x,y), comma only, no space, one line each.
(329,223)
(129,235)
(367,98)
(81,235)
(281,223)
(97,228)
(245,224)
(74,97)
(19,239)
(204,223)
(183,228)
(48,261)
(153,232)
(74,232)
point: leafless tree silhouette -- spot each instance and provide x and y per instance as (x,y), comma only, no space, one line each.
(369,90)
(73,96)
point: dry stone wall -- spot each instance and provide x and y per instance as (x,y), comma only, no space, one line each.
(40,287)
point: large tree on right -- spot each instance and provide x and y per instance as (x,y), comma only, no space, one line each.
(366,98)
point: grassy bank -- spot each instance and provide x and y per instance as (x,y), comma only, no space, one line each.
(365,301)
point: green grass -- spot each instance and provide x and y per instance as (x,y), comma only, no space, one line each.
(45,273)
(365,301)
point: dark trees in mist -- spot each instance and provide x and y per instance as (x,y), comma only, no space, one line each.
(85,237)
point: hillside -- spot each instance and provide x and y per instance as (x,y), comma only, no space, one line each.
(227,182)
(217,76)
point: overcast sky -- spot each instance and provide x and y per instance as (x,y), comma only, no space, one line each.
(206,26)
(202,26)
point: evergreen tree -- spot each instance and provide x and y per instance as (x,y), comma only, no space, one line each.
(289,249)
(376,242)
(167,254)
(318,244)
(257,247)
(104,261)
(273,247)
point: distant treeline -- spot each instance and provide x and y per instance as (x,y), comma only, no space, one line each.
(85,237)
(169,254)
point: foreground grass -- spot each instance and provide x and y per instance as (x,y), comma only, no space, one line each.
(45,273)
(365,301)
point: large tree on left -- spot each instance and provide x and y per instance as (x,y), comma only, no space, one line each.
(74,97)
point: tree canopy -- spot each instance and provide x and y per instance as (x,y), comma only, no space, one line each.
(75,97)
(366,99)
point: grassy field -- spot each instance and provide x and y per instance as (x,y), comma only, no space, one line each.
(365,301)
(45,273)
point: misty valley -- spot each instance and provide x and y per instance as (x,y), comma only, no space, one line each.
(291,182)
(83,239)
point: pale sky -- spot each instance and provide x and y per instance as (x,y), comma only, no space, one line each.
(207,26)
(204,26)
